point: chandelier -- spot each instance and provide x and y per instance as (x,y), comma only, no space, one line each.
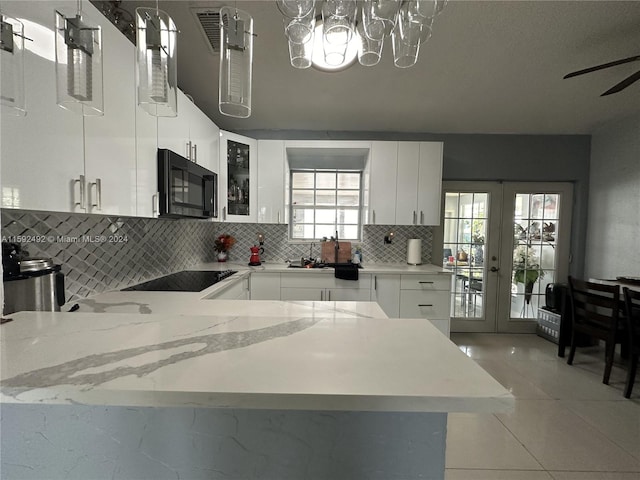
(330,34)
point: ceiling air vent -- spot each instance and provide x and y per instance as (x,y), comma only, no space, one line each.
(209,23)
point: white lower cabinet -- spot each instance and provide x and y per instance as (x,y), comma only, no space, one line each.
(265,286)
(309,286)
(426,296)
(386,292)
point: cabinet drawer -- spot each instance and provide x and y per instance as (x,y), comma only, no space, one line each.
(425,282)
(322,280)
(431,305)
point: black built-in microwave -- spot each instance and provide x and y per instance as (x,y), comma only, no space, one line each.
(185,189)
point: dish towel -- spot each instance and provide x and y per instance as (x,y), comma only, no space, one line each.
(346,272)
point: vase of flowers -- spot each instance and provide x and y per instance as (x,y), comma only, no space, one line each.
(222,245)
(526,269)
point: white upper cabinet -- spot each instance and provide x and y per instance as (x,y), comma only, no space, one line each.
(173,132)
(146,164)
(383,167)
(204,136)
(237,181)
(430,183)
(190,134)
(419,183)
(271,191)
(110,146)
(42,152)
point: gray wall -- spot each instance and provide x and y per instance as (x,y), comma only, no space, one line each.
(614,201)
(538,158)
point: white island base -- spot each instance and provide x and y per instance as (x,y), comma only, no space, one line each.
(91,442)
(315,395)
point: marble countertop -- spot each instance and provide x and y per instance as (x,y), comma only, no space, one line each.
(337,361)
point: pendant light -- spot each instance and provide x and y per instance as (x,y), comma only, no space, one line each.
(12,66)
(236,62)
(79,63)
(156,71)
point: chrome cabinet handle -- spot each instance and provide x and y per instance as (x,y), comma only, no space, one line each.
(98,200)
(188,150)
(375,283)
(194,149)
(155,205)
(329,292)
(425,304)
(321,295)
(421,217)
(224,214)
(415,217)
(425,282)
(374,217)
(82,191)
(278,217)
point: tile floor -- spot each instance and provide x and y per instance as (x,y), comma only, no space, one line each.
(566,424)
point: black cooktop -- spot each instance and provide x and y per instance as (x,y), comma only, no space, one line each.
(185,281)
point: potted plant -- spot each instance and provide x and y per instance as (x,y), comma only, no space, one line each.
(222,245)
(526,269)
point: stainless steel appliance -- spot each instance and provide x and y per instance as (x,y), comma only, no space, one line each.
(34,284)
(185,189)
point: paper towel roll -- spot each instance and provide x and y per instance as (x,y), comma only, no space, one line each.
(414,251)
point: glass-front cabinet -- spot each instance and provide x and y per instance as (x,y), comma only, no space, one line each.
(238,182)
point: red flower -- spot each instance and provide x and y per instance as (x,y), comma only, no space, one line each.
(224,243)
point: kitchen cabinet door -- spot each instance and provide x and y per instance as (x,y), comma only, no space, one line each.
(237,181)
(347,295)
(265,286)
(386,292)
(407,183)
(173,132)
(383,161)
(430,183)
(146,164)
(110,146)
(204,136)
(419,183)
(271,191)
(302,294)
(42,152)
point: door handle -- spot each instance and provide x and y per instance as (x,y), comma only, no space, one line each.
(81,184)
(98,192)
(494,269)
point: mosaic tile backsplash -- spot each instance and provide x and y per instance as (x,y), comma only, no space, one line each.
(100,253)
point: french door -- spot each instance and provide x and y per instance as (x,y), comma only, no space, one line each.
(503,242)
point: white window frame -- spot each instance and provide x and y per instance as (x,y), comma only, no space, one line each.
(315,171)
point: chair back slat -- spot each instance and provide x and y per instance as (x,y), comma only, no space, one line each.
(594,303)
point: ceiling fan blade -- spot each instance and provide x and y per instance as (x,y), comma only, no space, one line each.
(604,65)
(623,84)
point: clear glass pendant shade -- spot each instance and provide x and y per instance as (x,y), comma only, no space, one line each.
(236,62)
(156,62)
(79,64)
(12,94)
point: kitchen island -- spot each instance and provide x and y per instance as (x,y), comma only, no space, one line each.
(339,396)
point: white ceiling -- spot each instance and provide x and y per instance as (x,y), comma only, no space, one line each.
(490,67)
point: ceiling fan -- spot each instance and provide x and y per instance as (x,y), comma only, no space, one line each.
(618,87)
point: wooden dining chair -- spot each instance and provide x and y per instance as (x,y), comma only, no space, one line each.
(632,316)
(595,308)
